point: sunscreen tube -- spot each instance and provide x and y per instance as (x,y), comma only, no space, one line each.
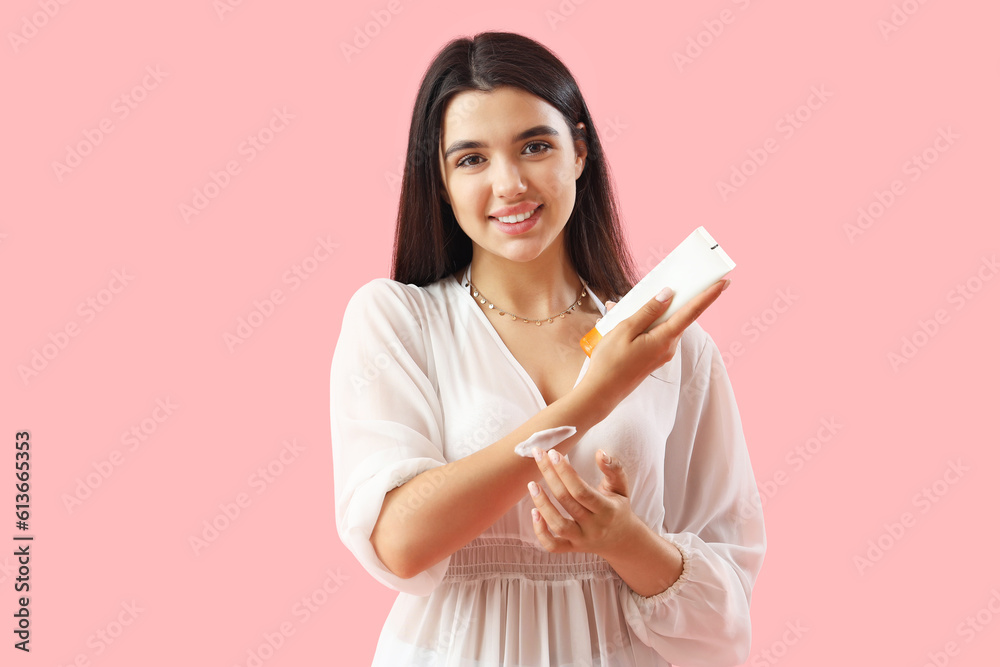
(689,269)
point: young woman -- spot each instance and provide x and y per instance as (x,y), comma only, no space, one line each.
(508,246)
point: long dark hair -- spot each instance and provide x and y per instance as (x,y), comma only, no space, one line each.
(429,243)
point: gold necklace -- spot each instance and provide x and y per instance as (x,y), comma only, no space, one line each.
(482,299)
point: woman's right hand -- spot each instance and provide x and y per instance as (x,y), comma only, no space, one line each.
(626,355)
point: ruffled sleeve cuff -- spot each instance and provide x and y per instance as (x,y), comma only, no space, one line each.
(649,603)
(363,512)
(703,619)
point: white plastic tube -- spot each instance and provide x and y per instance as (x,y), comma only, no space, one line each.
(689,269)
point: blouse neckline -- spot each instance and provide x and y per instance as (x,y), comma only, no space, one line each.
(460,285)
(468,271)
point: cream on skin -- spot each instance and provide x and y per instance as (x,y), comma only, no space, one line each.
(545,440)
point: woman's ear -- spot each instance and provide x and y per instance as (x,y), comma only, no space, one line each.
(440,176)
(443,189)
(581,149)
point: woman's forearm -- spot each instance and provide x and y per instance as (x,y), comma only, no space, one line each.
(648,563)
(439,511)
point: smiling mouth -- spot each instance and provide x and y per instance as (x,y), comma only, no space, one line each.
(514,219)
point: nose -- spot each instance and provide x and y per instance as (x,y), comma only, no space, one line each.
(507,181)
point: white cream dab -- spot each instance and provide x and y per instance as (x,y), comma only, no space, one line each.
(545,440)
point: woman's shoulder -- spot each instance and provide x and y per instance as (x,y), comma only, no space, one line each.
(696,339)
(379,289)
(391,297)
(687,356)
(698,353)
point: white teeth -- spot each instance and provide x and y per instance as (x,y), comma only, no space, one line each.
(517,218)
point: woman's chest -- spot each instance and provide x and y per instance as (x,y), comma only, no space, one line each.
(492,380)
(483,398)
(553,364)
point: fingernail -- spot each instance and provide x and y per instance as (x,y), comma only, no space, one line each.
(554,456)
(726,285)
(532,489)
(604,455)
(537,452)
(535,514)
(664,294)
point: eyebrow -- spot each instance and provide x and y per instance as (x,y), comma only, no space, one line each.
(535,131)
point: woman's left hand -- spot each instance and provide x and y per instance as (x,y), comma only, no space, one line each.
(601,520)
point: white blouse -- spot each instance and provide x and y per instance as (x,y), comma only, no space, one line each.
(420,378)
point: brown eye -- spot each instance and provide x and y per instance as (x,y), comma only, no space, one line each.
(542,144)
(463,163)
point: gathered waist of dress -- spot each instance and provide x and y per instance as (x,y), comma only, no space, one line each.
(513,558)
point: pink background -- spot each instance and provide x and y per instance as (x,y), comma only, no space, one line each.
(330,175)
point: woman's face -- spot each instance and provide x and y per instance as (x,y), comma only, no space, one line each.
(509,149)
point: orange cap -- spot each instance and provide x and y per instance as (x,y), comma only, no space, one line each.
(590,341)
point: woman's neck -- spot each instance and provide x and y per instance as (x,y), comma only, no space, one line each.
(534,290)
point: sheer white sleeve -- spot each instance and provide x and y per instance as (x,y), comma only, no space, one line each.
(713,516)
(386,419)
